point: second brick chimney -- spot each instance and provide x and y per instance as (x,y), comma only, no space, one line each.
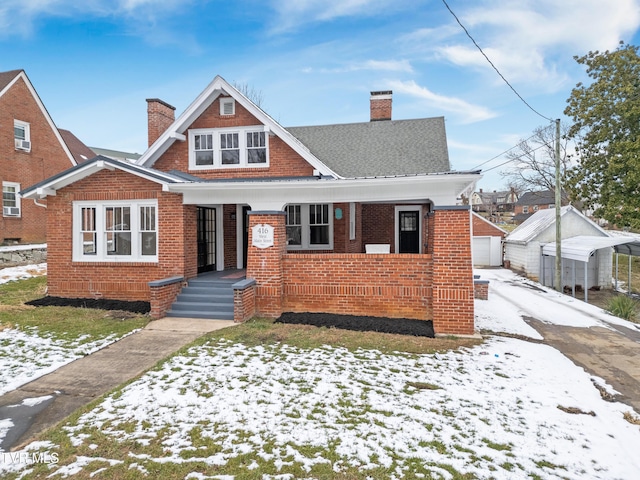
(381,105)
(159,116)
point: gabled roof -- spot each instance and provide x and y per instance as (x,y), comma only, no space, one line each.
(8,79)
(543,219)
(79,150)
(384,148)
(219,86)
(96,164)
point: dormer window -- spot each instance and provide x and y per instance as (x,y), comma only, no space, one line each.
(227,106)
(228,148)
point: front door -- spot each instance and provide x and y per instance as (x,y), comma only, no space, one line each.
(409,232)
(206,239)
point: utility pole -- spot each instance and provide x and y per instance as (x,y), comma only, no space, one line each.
(558,275)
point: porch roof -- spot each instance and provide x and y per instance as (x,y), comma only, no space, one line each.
(274,194)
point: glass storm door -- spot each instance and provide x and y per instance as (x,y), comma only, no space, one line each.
(409,232)
(206,239)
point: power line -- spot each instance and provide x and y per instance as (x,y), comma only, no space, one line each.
(516,158)
(506,151)
(491,63)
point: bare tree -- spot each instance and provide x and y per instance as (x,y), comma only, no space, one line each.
(533,161)
(256,96)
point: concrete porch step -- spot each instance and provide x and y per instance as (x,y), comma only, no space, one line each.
(198,314)
(205,298)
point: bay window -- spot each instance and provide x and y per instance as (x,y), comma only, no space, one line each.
(309,227)
(115,231)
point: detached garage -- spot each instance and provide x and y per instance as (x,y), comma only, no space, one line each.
(487,242)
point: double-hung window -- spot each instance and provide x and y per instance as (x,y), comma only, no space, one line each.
(10,199)
(239,147)
(309,227)
(119,231)
(22,135)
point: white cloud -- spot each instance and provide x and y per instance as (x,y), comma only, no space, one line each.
(17,17)
(293,14)
(467,112)
(528,39)
(371,65)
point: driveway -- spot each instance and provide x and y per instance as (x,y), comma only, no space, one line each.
(604,345)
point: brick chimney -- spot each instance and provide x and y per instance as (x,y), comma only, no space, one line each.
(381,105)
(159,116)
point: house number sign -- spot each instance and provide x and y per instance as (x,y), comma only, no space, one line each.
(262,236)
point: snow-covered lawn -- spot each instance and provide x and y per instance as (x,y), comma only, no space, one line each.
(506,409)
(26,354)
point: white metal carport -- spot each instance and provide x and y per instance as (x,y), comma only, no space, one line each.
(580,249)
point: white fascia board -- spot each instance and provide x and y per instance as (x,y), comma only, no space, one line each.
(85,171)
(44,111)
(274,195)
(203,101)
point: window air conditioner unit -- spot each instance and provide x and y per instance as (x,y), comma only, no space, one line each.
(23,144)
(11,211)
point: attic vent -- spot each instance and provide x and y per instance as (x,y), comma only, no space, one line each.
(227,106)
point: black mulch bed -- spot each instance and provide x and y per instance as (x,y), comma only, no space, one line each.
(402,326)
(103,304)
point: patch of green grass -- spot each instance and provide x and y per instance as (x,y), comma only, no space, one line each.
(624,307)
(496,446)
(63,323)
(262,331)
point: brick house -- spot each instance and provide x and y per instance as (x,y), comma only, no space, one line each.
(31,150)
(531,202)
(285,214)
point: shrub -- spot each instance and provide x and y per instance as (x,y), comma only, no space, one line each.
(623,307)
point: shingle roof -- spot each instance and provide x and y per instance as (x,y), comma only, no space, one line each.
(79,150)
(6,77)
(542,197)
(377,149)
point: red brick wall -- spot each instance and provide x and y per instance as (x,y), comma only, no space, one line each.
(160,116)
(118,280)
(265,264)
(46,158)
(452,272)
(244,304)
(162,298)
(484,229)
(283,160)
(378,224)
(230,236)
(396,286)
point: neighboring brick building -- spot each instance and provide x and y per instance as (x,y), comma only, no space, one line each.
(225,187)
(531,202)
(31,149)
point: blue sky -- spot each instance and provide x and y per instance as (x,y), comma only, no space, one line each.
(94,62)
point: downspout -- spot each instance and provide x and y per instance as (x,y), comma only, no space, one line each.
(38,204)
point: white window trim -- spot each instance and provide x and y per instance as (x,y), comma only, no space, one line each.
(101,250)
(27,135)
(17,194)
(306,229)
(217,155)
(227,101)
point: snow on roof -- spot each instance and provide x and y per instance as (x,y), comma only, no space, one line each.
(540,221)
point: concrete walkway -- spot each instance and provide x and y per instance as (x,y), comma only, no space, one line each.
(87,378)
